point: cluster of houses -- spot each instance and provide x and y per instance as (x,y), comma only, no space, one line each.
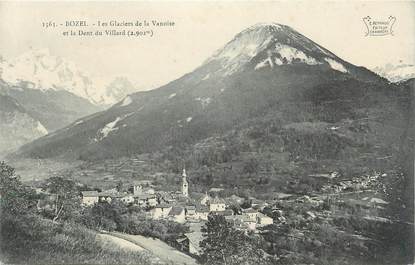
(359,183)
(179,207)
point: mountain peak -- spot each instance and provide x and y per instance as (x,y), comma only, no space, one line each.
(396,72)
(267,70)
(277,43)
(39,69)
(271,26)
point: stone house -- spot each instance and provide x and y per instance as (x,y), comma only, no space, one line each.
(89,197)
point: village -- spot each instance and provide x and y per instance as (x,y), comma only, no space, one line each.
(193,210)
(335,197)
(180,207)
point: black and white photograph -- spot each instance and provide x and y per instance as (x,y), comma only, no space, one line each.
(207,132)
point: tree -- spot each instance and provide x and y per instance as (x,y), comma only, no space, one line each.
(236,208)
(223,244)
(66,195)
(251,166)
(101,216)
(15,198)
(119,186)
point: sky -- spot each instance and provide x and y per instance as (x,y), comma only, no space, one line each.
(200,29)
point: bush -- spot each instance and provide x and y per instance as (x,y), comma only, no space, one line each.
(164,230)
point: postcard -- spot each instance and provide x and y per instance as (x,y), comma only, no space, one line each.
(207,132)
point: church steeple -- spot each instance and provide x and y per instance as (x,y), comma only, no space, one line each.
(185,184)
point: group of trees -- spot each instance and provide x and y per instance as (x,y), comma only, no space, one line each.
(223,244)
(66,196)
(63,232)
(116,216)
(313,145)
(27,237)
(165,230)
(16,199)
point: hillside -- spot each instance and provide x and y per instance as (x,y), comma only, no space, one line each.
(54,109)
(17,127)
(266,70)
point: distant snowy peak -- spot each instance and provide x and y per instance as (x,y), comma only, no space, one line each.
(43,71)
(274,44)
(38,69)
(396,73)
(117,89)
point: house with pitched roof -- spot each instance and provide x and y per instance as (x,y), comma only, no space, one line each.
(127,198)
(248,223)
(235,220)
(217,204)
(193,243)
(263,220)
(202,212)
(89,197)
(250,213)
(141,186)
(177,214)
(204,200)
(190,211)
(160,211)
(145,200)
(234,199)
(227,212)
(200,198)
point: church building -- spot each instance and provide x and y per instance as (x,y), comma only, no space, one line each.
(185,184)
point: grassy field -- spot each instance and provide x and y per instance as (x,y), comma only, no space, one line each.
(40,241)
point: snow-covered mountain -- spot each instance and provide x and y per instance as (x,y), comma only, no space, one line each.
(38,69)
(280,43)
(270,45)
(51,93)
(118,89)
(396,73)
(269,74)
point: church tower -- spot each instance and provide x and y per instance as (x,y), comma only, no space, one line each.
(185,184)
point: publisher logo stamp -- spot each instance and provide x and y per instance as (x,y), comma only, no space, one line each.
(379,27)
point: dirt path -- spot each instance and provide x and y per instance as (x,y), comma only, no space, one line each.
(122,243)
(158,248)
